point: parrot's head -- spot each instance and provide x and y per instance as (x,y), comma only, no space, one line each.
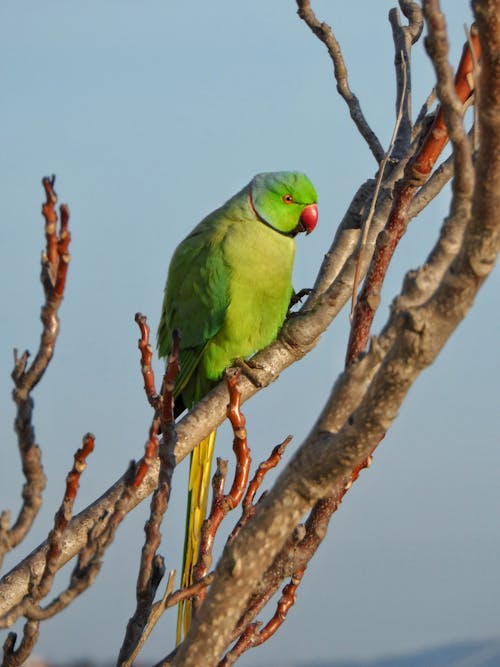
(284,200)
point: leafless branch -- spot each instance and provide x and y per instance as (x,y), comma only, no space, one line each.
(324,33)
(152,568)
(368,220)
(26,376)
(416,173)
(404,37)
(15,658)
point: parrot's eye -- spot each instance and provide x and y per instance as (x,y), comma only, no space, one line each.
(288,199)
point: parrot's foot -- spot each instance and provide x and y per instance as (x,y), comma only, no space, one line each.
(298,296)
(251,370)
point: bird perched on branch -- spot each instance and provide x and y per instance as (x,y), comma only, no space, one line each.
(228,290)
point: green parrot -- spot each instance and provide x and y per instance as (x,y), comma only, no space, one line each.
(228,290)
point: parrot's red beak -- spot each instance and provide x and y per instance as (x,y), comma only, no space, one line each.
(309,218)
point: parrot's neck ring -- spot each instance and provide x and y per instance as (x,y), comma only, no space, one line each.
(291,234)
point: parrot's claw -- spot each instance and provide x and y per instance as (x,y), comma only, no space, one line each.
(251,370)
(297,297)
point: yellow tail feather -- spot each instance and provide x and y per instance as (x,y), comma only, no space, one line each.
(199,485)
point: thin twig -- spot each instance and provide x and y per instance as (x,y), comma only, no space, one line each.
(15,658)
(254,636)
(152,568)
(55,260)
(371,212)
(62,518)
(416,173)
(224,503)
(297,550)
(475,79)
(31,607)
(325,34)
(128,654)
(247,505)
(404,37)
(146,357)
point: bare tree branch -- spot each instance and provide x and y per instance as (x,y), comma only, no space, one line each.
(324,32)
(404,37)
(416,173)
(152,567)
(55,260)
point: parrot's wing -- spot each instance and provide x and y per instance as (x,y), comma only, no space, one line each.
(195,303)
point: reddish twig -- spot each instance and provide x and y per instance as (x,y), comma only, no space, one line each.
(222,504)
(284,605)
(218,510)
(50,215)
(416,174)
(271,462)
(57,243)
(421,166)
(30,606)
(55,259)
(62,518)
(252,635)
(63,242)
(102,534)
(248,506)
(146,357)
(152,567)
(166,410)
(163,402)
(240,445)
(73,478)
(100,537)
(89,560)
(150,452)
(296,552)
(190,591)
(475,78)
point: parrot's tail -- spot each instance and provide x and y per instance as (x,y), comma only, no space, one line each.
(199,485)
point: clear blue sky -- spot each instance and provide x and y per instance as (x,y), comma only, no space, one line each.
(151,114)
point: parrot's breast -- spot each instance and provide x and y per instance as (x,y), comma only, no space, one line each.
(259,261)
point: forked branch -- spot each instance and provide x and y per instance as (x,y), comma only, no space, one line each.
(325,34)
(416,173)
(152,567)
(55,260)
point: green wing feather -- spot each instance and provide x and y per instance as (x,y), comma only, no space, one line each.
(195,302)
